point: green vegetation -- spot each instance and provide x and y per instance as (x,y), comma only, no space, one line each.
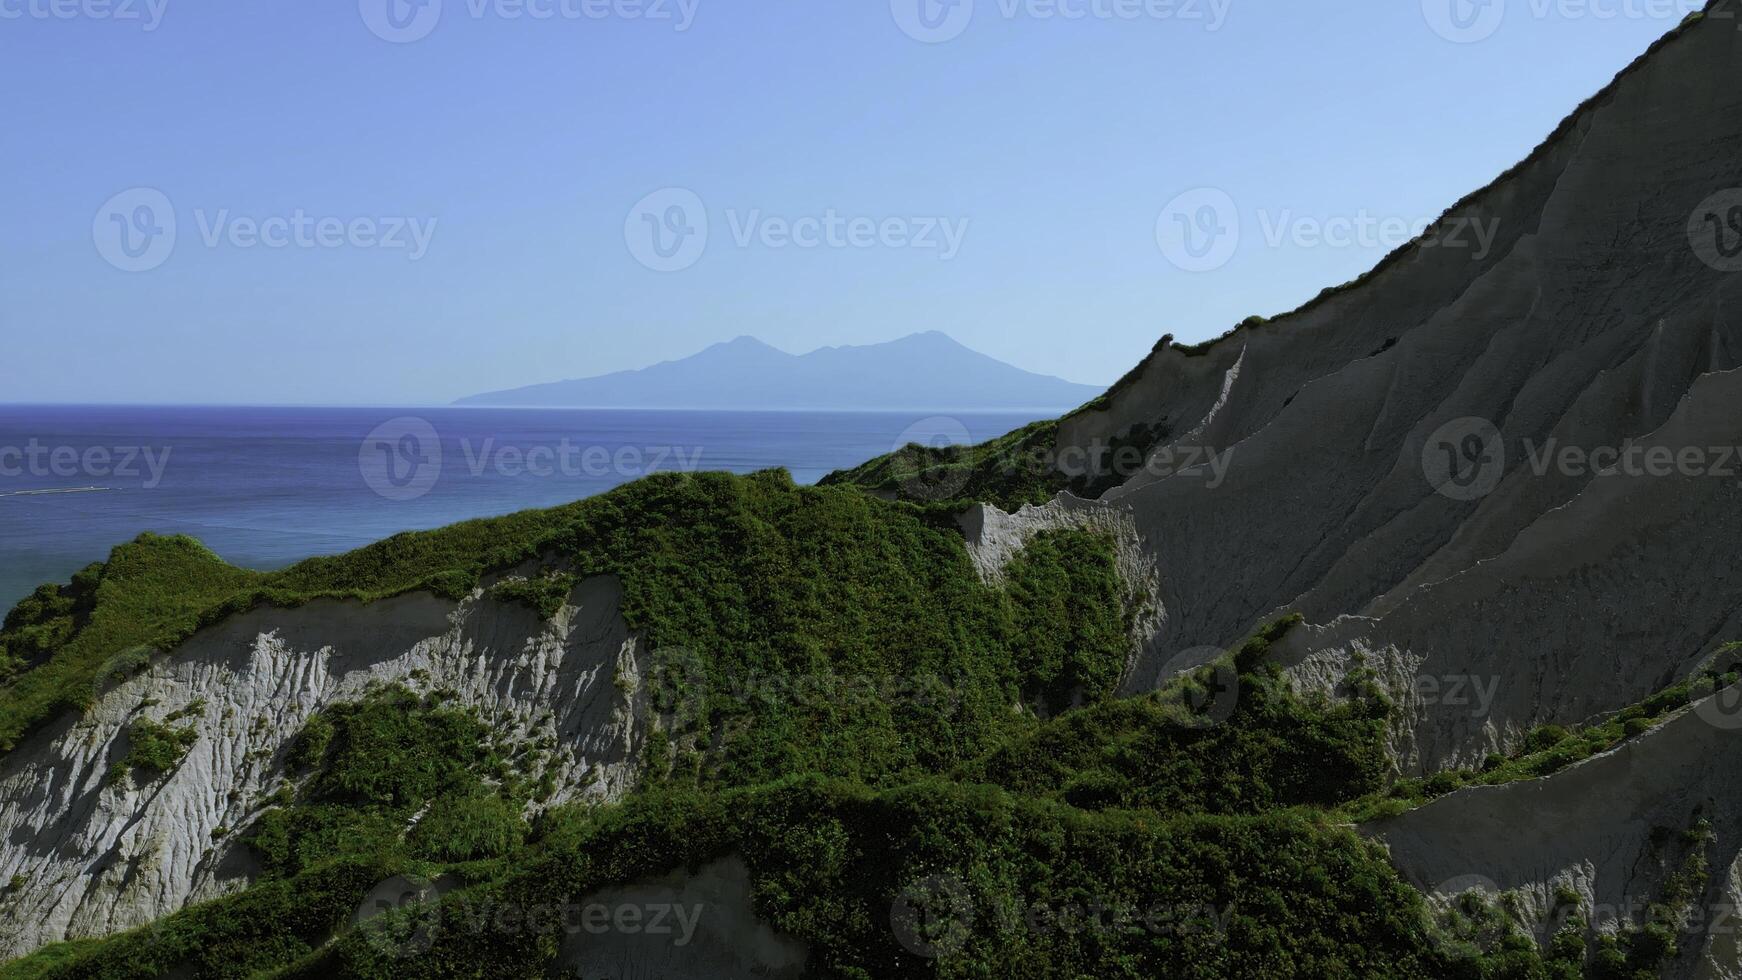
(1276,895)
(1193,832)
(1012,470)
(45,620)
(376,765)
(1551,748)
(151,593)
(751,578)
(1640,950)
(544,593)
(402,785)
(154,748)
(1022,467)
(837,699)
(1231,740)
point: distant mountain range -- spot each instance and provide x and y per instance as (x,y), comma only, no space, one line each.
(922,371)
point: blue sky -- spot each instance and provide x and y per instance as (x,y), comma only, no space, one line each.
(458,190)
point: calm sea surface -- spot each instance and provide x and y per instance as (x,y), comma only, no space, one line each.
(264,487)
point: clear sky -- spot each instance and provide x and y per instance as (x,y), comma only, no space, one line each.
(461,191)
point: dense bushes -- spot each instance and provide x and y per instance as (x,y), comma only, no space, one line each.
(1009,471)
(785,613)
(378,764)
(1194,747)
(1029,888)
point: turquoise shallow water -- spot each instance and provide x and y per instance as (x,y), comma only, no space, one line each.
(264,487)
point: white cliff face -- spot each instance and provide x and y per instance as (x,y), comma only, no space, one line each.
(994,537)
(1601,829)
(97,856)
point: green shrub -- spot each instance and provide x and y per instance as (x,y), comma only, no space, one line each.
(463,828)
(153,748)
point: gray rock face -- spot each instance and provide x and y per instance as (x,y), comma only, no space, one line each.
(1603,830)
(99,855)
(1350,489)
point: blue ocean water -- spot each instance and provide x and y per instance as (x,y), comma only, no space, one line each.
(264,487)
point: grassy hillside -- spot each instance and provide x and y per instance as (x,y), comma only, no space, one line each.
(1236,879)
(991,796)
(1207,838)
(1011,470)
(746,579)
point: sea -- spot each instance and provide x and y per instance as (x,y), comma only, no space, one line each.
(266,487)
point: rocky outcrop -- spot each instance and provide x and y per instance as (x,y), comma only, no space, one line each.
(995,537)
(1392,458)
(95,854)
(1601,830)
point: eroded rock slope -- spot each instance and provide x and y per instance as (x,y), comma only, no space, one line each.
(95,853)
(1604,317)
